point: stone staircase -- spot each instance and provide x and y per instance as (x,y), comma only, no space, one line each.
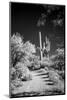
(40,82)
(44,76)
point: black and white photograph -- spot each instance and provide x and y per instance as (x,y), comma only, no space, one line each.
(37,49)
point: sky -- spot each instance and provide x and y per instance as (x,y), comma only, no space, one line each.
(29,19)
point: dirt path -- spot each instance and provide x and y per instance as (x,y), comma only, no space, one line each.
(39,82)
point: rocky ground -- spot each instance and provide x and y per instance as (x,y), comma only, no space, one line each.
(39,85)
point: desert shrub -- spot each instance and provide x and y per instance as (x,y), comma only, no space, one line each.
(54,76)
(59,63)
(22,55)
(23,69)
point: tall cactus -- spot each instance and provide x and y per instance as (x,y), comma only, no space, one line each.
(41,55)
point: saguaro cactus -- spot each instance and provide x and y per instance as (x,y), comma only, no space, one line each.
(41,55)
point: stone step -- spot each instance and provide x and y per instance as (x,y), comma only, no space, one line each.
(43,77)
(41,74)
(48,80)
(49,83)
(39,71)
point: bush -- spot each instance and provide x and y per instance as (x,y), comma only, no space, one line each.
(54,76)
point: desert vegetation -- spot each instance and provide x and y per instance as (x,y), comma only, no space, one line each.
(25,65)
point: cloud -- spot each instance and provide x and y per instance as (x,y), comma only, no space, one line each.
(50,8)
(52,13)
(57,22)
(42,20)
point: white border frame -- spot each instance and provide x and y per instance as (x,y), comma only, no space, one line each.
(4,49)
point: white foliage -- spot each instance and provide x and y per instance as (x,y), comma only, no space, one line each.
(29,48)
(16,39)
(60,51)
(48,44)
(22,67)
